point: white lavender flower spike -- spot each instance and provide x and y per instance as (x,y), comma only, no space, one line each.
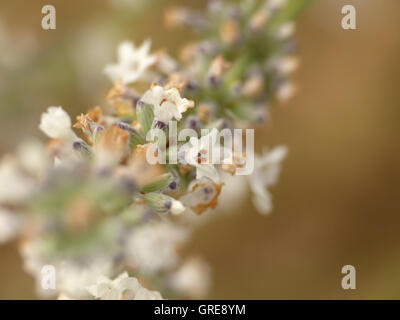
(104,208)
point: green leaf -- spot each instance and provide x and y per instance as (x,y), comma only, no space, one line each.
(162,182)
(145,116)
(135,136)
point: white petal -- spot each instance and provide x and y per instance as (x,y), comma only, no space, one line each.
(207,170)
(177,207)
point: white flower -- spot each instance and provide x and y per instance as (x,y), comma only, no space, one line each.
(167,104)
(276,4)
(266,171)
(123,287)
(72,277)
(14,185)
(9,225)
(285,31)
(286,91)
(56,124)
(177,207)
(152,247)
(192,279)
(233,194)
(132,63)
(33,157)
(203,153)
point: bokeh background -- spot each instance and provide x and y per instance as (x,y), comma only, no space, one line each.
(338,199)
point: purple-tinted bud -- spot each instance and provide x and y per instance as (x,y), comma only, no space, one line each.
(262,116)
(173,185)
(193,122)
(192,86)
(235,13)
(215,6)
(81,147)
(168,205)
(123,125)
(161,125)
(214,81)
(129,185)
(291,46)
(225,124)
(77,145)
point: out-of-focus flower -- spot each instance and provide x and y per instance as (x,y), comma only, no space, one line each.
(203,153)
(56,124)
(112,146)
(266,171)
(14,185)
(72,276)
(192,279)
(33,157)
(133,63)
(167,104)
(10,224)
(122,288)
(285,31)
(233,194)
(275,4)
(152,247)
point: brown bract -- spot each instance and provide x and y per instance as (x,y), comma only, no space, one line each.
(187,53)
(116,97)
(174,17)
(176,80)
(218,66)
(229,32)
(140,168)
(259,20)
(114,140)
(80,215)
(204,112)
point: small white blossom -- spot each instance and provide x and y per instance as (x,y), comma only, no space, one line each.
(152,247)
(133,63)
(266,171)
(33,157)
(276,4)
(167,104)
(72,277)
(285,31)
(56,124)
(286,91)
(192,279)
(14,184)
(203,153)
(122,288)
(9,225)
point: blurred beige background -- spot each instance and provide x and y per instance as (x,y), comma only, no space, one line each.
(337,202)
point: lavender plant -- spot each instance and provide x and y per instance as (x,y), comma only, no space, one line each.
(90,203)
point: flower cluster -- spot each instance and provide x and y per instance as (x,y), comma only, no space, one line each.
(90,203)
